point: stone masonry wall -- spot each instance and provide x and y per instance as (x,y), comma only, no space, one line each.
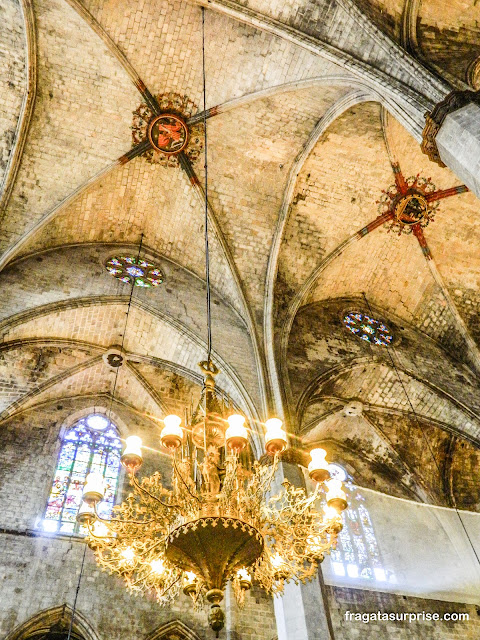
(361,601)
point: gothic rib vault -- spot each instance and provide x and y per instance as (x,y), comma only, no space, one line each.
(304,127)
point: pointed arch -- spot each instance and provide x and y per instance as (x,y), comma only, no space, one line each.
(174,630)
(60,616)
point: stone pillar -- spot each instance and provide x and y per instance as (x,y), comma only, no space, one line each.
(451,136)
(302,612)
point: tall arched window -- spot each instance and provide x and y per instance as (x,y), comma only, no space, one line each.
(357,554)
(91,445)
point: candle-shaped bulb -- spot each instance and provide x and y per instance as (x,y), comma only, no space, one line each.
(318,467)
(275,436)
(132,456)
(94,489)
(172,433)
(236,436)
(336,497)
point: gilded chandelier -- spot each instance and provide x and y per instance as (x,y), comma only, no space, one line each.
(218,519)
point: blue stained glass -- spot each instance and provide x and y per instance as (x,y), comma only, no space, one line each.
(135,271)
(85,449)
(368,329)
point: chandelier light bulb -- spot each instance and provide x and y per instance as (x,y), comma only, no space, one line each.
(172,433)
(318,467)
(128,554)
(316,546)
(86,514)
(94,489)
(189,583)
(279,566)
(101,530)
(330,512)
(277,560)
(157,566)
(236,436)
(336,497)
(132,456)
(275,436)
(245,579)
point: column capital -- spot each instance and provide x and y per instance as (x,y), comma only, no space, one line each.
(434,119)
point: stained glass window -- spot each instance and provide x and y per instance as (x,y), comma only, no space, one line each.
(357,554)
(129,269)
(367,328)
(91,445)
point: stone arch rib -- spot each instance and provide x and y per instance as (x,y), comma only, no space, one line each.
(173,630)
(44,620)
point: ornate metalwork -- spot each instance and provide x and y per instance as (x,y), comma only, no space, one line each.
(409,202)
(129,269)
(218,522)
(168,132)
(435,118)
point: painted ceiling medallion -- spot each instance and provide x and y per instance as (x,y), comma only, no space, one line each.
(129,269)
(410,204)
(168,131)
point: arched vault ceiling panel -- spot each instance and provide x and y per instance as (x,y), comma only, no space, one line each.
(146,335)
(76,275)
(454,237)
(378,386)
(162,40)
(409,439)
(386,14)
(97,379)
(13,80)
(448,35)
(346,31)
(359,435)
(253,148)
(335,194)
(24,368)
(81,121)
(177,392)
(141,198)
(320,348)
(388,268)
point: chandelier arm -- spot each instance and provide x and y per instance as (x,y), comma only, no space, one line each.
(116,520)
(166,588)
(266,484)
(186,485)
(138,486)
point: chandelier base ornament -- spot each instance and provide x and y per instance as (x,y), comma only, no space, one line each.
(194,547)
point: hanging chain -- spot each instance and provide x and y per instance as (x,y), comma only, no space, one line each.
(207,252)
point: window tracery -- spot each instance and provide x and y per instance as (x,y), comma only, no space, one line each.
(357,554)
(368,328)
(92,445)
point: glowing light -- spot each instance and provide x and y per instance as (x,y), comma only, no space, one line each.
(157,566)
(128,554)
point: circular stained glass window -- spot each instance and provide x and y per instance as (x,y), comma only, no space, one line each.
(367,328)
(130,269)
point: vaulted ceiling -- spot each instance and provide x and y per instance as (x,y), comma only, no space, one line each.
(302,142)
